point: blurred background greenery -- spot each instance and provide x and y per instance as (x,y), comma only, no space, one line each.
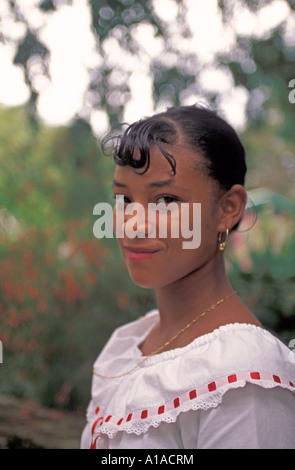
(62,292)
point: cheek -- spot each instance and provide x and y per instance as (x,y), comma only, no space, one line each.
(117,218)
(193,229)
(116,229)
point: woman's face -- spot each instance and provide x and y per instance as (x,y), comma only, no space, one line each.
(162,260)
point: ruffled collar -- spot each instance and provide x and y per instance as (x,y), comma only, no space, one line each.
(192,377)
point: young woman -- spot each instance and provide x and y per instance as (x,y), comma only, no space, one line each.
(199,371)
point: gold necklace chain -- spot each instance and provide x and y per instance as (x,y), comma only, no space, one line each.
(167,342)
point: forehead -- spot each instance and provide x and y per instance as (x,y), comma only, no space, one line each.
(189,166)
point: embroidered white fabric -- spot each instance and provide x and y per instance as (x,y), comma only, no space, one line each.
(171,399)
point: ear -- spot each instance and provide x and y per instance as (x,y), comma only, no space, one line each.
(232,206)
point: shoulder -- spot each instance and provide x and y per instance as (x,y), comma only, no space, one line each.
(195,377)
(125,339)
(229,357)
(250,417)
(235,346)
(136,327)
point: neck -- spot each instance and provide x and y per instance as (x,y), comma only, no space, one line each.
(183,300)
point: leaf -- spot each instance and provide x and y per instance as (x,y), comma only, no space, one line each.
(29,47)
(47,5)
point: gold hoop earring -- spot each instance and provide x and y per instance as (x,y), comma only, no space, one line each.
(222,243)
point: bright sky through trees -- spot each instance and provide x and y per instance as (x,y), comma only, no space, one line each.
(67,34)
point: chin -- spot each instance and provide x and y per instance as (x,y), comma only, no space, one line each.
(144,282)
(151,281)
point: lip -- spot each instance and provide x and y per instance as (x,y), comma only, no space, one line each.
(140,253)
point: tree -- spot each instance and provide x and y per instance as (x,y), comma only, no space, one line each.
(62,291)
(262,65)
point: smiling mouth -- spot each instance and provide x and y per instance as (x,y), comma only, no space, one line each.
(139,253)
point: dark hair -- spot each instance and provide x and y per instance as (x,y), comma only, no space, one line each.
(200,128)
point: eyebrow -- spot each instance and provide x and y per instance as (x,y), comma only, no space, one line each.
(154,184)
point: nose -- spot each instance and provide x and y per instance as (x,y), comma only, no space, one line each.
(145,228)
(136,221)
(132,221)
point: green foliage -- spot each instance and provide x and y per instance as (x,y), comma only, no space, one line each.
(270,159)
(168,83)
(271,69)
(62,291)
(264,65)
(264,276)
(106,16)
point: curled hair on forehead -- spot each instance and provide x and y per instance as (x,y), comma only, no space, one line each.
(137,139)
(201,129)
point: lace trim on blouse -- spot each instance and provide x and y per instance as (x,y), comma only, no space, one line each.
(202,397)
(265,363)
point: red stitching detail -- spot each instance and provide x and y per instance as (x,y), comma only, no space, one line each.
(232,378)
(192,394)
(94,424)
(93,444)
(176,403)
(161,409)
(255,375)
(212,387)
(144,414)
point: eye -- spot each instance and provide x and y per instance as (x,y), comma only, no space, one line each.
(126,199)
(167,199)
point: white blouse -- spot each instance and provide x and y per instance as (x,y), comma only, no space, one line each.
(232,388)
